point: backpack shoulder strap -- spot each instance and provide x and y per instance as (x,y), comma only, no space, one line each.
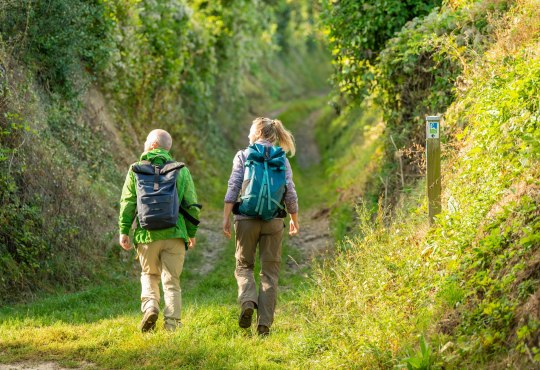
(277,152)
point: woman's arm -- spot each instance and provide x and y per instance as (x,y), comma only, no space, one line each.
(227,209)
(233,191)
(291,201)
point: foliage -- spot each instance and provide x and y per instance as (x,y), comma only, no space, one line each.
(496,234)
(54,36)
(185,66)
(358,31)
(422,359)
(414,74)
(418,74)
(48,192)
(498,280)
(83,81)
(469,284)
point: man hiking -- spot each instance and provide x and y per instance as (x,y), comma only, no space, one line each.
(159,193)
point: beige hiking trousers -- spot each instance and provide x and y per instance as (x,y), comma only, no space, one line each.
(162,259)
(268,235)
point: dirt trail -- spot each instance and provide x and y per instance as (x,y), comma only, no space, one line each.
(314,239)
(211,241)
(307,149)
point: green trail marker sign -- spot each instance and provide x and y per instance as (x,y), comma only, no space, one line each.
(433,158)
(432,127)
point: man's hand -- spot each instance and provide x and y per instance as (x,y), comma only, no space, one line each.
(192,242)
(227,227)
(124,242)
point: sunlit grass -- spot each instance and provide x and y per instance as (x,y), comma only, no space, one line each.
(100,326)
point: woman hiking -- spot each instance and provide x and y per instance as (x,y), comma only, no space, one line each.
(260,193)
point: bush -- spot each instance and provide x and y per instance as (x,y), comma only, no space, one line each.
(358,31)
(468,285)
(55,36)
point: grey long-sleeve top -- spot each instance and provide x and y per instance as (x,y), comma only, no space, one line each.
(237,177)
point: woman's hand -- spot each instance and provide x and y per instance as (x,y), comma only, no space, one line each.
(227,227)
(192,242)
(227,209)
(294,227)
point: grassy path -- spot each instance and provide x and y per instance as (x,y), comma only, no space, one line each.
(98,327)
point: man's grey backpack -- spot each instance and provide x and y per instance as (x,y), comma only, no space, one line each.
(158,205)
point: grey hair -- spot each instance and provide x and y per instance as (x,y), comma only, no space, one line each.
(162,137)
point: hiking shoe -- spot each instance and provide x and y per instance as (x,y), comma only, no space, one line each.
(244,321)
(172,324)
(263,330)
(149,319)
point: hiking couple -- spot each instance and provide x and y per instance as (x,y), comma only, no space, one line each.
(159,198)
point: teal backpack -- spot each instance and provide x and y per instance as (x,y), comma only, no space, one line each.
(264,183)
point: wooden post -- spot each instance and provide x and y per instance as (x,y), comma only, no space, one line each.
(433,154)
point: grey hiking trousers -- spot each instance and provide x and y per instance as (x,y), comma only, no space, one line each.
(268,235)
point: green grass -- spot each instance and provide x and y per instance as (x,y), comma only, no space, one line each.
(373,296)
(99,325)
(351,146)
(396,292)
(462,293)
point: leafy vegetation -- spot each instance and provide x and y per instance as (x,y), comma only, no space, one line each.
(82,82)
(395,292)
(359,30)
(54,37)
(466,289)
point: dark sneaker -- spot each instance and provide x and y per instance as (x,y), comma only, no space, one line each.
(244,321)
(263,330)
(149,319)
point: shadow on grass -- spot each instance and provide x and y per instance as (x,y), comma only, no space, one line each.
(99,325)
(210,338)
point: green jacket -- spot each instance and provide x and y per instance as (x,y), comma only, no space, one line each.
(128,204)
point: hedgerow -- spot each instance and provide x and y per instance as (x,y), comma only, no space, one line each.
(418,74)
(464,291)
(358,31)
(54,37)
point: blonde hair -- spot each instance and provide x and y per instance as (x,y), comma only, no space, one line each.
(273,131)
